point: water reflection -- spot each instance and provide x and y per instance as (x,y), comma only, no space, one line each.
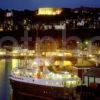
(6,65)
(2,72)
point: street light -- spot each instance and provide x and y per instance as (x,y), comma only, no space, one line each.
(86,42)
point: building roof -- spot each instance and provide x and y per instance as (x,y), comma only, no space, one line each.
(84,63)
(94,72)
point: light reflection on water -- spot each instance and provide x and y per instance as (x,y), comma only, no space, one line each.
(6,65)
(2,72)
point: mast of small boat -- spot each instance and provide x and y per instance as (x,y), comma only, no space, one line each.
(26,51)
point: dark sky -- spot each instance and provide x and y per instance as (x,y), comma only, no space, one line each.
(32,4)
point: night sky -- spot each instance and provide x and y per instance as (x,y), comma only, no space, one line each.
(33,4)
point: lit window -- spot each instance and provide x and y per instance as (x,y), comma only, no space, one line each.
(49,11)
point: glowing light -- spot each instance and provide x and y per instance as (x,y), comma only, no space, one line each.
(1,29)
(49,11)
(15,51)
(47,63)
(90,55)
(64,63)
(2,53)
(86,42)
(35,63)
(93,59)
(14,63)
(67,63)
(99,52)
(9,14)
(57,63)
(38,61)
(68,54)
(17,72)
(77,42)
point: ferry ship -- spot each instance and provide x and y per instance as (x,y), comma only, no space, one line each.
(45,78)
